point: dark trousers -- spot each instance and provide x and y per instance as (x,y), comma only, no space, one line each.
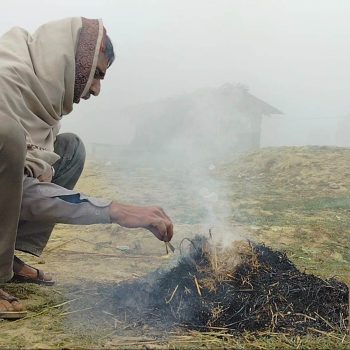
(32,237)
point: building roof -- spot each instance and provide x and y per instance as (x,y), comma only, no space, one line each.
(226,97)
(245,101)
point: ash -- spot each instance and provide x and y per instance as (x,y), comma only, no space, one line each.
(245,287)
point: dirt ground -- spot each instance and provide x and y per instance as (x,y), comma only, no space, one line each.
(294,199)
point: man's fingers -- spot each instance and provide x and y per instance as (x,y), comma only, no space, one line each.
(164,225)
(170,231)
(166,231)
(163,230)
(159,229)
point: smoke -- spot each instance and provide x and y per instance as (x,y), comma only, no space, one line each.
(185,140)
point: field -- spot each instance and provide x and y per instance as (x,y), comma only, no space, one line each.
(295,199)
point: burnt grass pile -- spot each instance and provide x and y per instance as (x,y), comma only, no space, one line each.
(244,287)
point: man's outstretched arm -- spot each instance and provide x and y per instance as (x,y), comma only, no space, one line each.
(50,203)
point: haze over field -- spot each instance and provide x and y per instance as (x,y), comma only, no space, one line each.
(292,54)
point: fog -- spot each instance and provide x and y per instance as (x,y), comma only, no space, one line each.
(292,54)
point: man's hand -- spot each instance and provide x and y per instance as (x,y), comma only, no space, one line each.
(47,177)
(153,219)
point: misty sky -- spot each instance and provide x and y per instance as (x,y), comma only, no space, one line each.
(294,54)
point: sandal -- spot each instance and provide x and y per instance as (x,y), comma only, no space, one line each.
(18,311)
(19,278)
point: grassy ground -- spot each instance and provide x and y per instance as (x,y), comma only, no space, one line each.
(293,199)
(298,200)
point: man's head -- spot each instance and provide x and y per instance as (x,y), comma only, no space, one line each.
(105,59)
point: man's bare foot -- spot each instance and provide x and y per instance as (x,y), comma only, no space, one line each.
(29,274)
(10,307)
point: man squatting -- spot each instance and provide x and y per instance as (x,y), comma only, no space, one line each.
(41,76)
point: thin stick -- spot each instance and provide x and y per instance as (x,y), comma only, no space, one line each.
(325,321)
(168,246)
(306,316)
(101,245)
(110,255)
(138,342)
(82,240)
(330,334)
(75,311)
(197,285)
(215,259)
(60,245)
(66,302)
(172,295)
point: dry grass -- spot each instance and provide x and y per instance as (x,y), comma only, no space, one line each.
(223,260)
